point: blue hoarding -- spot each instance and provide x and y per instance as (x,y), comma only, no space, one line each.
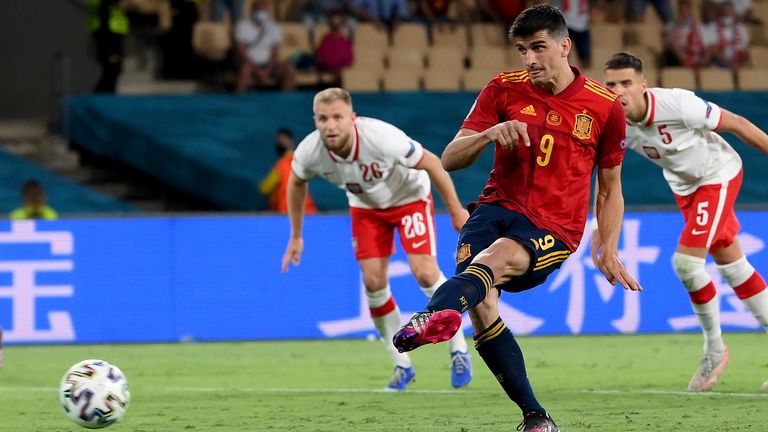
(219,278)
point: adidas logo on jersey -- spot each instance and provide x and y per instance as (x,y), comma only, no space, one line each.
(529,110)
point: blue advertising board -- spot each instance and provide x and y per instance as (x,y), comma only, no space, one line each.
(219,278)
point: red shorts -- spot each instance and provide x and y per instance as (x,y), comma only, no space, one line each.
(710,221)
(372,229)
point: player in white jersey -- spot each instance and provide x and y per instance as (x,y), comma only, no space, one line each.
(386,176)
(678,131)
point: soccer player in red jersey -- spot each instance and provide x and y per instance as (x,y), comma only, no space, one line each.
(551,126)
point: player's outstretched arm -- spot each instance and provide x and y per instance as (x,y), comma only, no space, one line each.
(610,214)
(444,185)
(467,145)
(744,129)
(297,193)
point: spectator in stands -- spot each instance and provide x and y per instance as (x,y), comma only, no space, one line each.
(636,10)
(502,12)
(683,43)
(435,14)
(33,203)
(726,39)
(233,7)
(389,13)
(743,10)
(275,184)
(257,41)
(315,12)
(577,13)
(335,53)
(108,24)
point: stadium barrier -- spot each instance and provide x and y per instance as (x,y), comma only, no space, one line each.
(219,278)
(220,146)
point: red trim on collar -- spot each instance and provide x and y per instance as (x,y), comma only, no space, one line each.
(652,103)
(357,144)
(330,153)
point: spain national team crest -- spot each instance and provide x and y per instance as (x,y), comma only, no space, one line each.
(463,253)
(582,127)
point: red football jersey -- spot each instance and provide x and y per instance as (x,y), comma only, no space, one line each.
(571,132)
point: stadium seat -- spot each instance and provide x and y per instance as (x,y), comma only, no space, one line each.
(758,56)
(716,79)
(476,78)
(445,57)
(295,40)
(680,77)
(369,59)
(757,34)
(443,79)
(368,37)
(607,36)
(514,60)
(401,80)
(488,57)
(753,79)
(410,35)
(650,62)
(212,40)
(600,54)
(457,39)
(487,34)
(406,58)
(760,10)
(362,79)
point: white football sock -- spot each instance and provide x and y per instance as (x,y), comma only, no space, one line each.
(386,318)
(458,342)
(706,305)
(749,287)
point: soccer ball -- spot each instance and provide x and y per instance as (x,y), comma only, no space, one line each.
(94,394)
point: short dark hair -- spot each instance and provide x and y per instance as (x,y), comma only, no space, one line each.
(285,131)
(624,60)
(537,18)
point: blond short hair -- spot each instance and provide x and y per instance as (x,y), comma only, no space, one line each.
(332,94)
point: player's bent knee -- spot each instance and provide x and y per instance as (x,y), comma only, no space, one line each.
(374,282)
(506,257)
(426,277)
(690,270)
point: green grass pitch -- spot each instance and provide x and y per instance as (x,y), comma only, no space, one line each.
(589,383)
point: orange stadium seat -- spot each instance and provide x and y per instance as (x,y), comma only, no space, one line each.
(716,79)
(410,35)
(368,37)
(758,56)
(476,78)
(681,77)
(406,58)
(607,36)
(445,57)
(488,57)
(401,80)
(362,79)
(457,39)
(442,79)
(753,79)
(295,40)
(212,40)
(514,60)
(487,34)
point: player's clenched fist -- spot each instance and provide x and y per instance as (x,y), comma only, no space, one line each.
(509,133)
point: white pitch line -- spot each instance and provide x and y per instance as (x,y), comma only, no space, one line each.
(677,393)
(4,389)
(322,390)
